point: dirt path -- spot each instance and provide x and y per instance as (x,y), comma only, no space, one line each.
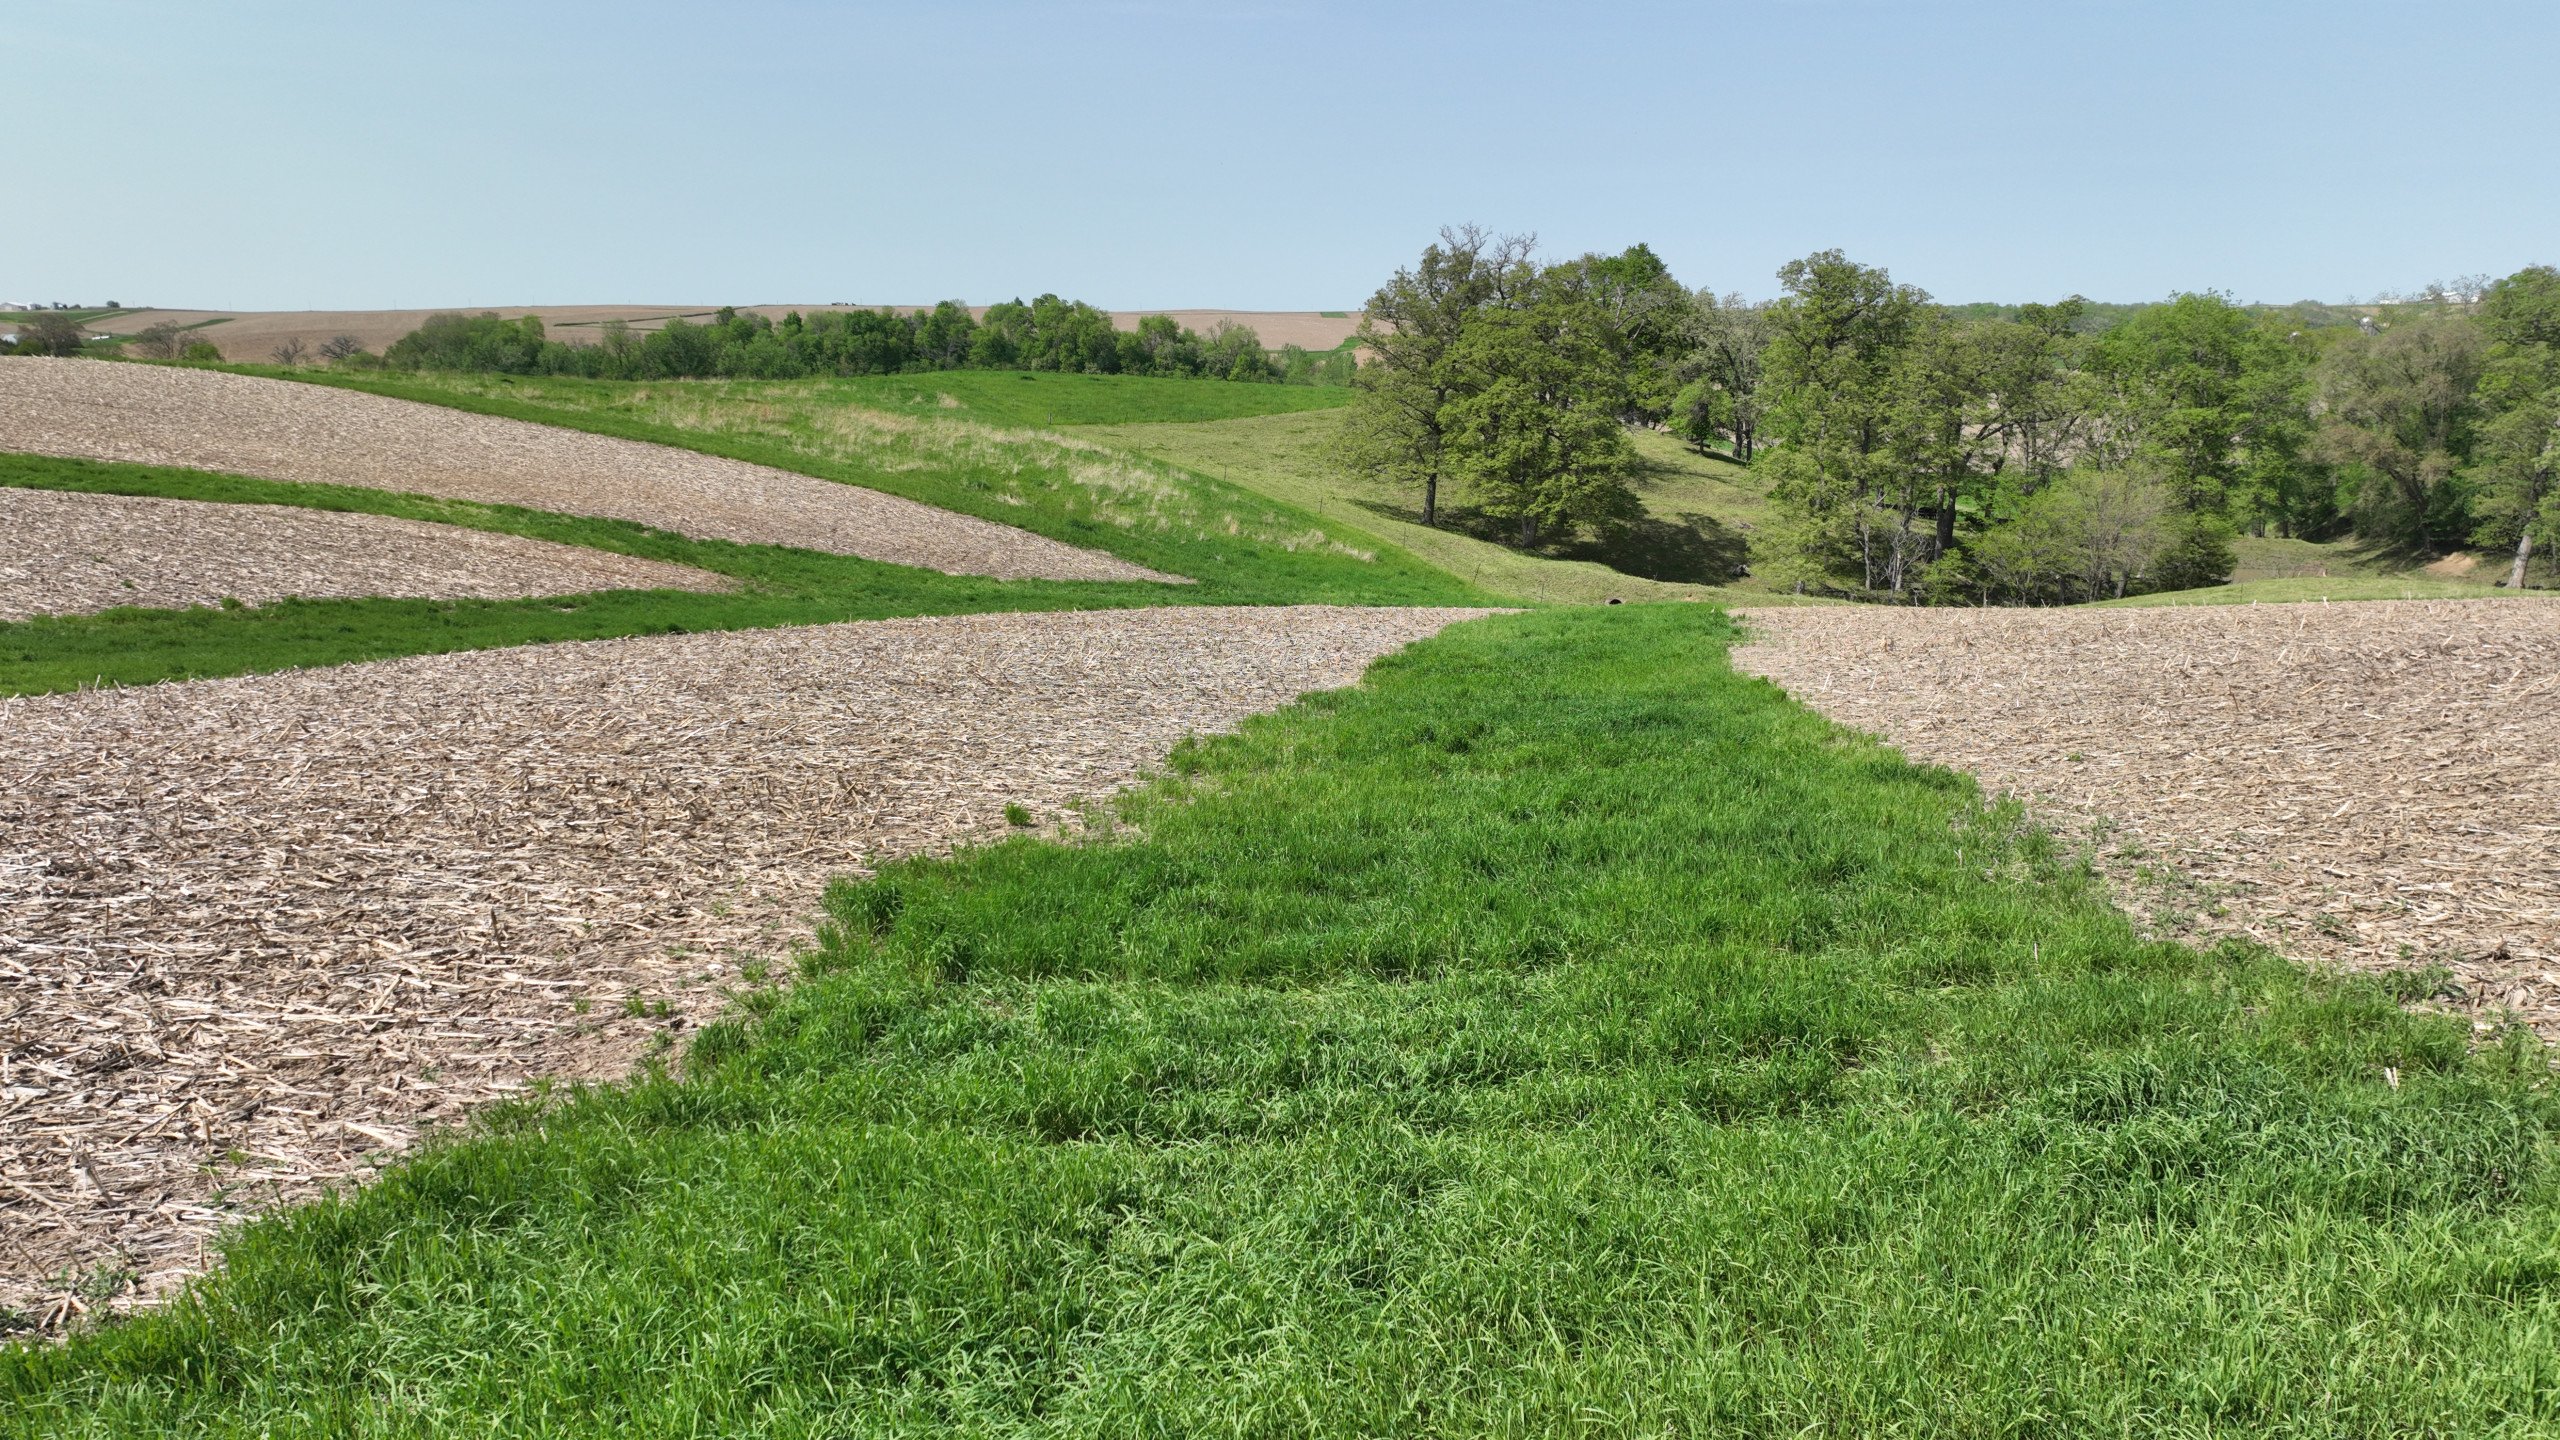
(70,554)
(2373,784)
(279,430)
(255,933)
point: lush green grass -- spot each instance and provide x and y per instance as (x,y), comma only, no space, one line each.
(1559,1034)
(1701,509)
(2405,586)
(780,587)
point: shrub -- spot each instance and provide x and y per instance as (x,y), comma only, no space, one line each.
(163,341)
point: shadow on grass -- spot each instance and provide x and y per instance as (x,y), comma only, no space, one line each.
(1691,549)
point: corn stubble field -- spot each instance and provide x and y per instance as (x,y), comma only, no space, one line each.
(1547,1026)
(71,554)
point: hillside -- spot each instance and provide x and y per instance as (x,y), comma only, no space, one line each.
(1701,512)
(1272,442)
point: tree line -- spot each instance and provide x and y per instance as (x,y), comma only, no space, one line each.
(1045,334)
(1924,453)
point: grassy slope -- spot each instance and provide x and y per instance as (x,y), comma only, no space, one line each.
(1025,397)
(1289,458)
(1558,1034)
(2272,570)
(1240,543)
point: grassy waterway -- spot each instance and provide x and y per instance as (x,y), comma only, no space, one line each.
(1558,1033)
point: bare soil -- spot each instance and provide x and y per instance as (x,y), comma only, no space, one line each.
(279,430)
(76,553)
(256,933)
(2371,784)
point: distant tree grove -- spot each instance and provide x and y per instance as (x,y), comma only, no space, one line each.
(1921,453)
(1046,334)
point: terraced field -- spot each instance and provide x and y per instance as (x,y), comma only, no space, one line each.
(210,420)
(1543,1027)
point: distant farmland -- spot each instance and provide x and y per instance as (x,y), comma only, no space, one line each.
(251,335)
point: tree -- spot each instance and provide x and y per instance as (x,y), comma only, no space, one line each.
(2189,386)
(944,335)
(290,351)
(1003,338)
(340,347)
(2523,310)
(1827,380)
(2399,405)
(48,334)
(160,341)
(1233,352)
(1981,409)
(1647,315)
(2519,463)
(1072,336)
(2090,535)
(2518,477)
(1536,427)
(450,340)
(1725,339)
(1399,429)
(1159,346)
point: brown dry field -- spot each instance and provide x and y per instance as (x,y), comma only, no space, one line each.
(256,933)
(280,430)
(252,335)
(72,554)
(2373,785)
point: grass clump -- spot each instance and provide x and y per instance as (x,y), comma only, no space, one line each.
(1558,1033)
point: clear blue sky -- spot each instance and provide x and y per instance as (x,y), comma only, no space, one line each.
(262,155)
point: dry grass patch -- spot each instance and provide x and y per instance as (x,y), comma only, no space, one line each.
(255,933)
(2372,784)
(1130,492)
(278,430)
(73,553)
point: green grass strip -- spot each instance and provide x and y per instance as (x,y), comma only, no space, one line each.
(1558,1034)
